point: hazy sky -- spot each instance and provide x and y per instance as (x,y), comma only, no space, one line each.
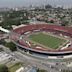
(15,3)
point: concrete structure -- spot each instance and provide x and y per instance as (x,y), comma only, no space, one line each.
(18,32)
(4,57)
(4,30)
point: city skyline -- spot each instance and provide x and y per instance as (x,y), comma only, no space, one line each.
(20,3)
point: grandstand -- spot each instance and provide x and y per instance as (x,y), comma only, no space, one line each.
(20,37)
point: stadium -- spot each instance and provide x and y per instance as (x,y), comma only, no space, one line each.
(43,39)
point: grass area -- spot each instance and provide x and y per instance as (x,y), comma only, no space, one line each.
(47,40)
(15,67)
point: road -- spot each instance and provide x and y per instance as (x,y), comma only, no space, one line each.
(50,67)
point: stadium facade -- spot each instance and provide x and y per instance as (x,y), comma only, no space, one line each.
(18,36)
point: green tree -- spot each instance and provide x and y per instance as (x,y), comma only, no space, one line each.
(11,45)
(51,21)
(41,70)
(64,23)
(3,68)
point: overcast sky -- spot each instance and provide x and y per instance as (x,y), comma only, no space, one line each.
(16,3)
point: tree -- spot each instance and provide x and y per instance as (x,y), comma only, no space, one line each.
(3,68)
(11,45)
(51,21)
(64,23)
(41,70)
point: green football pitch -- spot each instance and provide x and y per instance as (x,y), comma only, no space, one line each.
(47,40)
